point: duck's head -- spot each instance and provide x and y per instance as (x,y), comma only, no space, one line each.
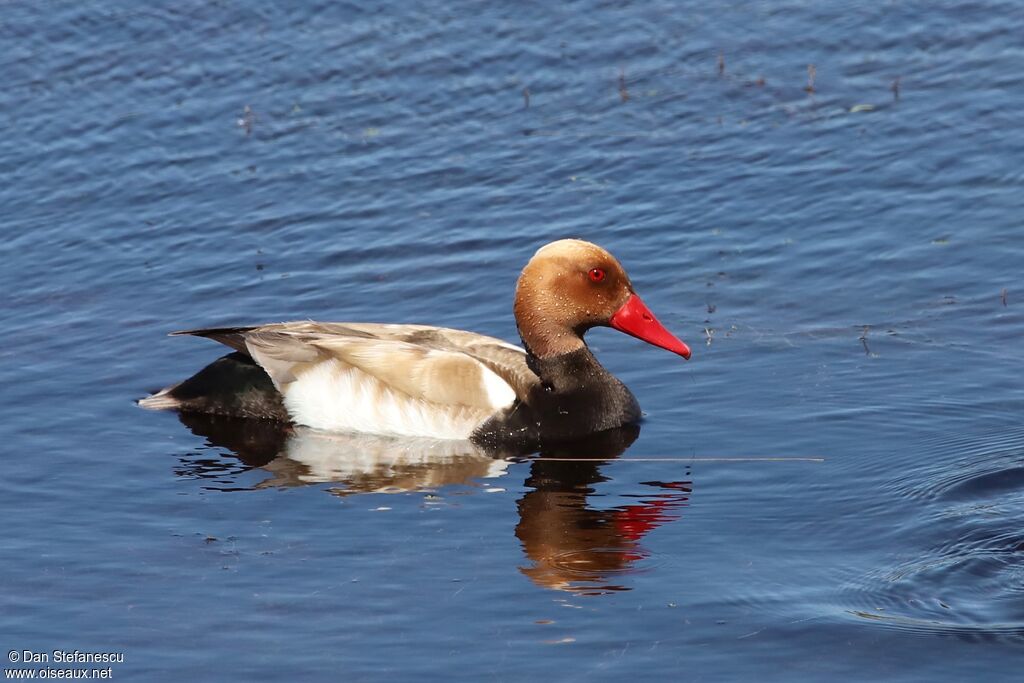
(570,286)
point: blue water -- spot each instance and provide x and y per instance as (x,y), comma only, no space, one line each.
(846,264)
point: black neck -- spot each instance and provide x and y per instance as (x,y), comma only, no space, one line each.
(570,372)
(576,397)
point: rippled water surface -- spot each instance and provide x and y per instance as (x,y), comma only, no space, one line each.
(844,254)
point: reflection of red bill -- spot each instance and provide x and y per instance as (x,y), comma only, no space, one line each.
(633,522)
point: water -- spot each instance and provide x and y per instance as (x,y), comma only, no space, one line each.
(846,264)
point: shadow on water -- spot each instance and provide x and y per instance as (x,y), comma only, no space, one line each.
(570,544)
(964,577)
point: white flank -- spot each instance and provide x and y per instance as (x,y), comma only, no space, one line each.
(499,393)
(335,396)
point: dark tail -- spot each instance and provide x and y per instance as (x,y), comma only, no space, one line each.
(233,385)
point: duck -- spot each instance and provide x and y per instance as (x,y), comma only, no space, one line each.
(411,380)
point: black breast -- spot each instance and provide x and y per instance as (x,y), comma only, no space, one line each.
(576,397)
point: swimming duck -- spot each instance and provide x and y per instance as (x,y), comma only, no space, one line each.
(419,380)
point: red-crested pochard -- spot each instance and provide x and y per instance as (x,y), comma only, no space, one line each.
(417,380)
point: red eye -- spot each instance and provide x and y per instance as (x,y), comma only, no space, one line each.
(596,275)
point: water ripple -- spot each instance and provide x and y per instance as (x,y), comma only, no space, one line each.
(961,570)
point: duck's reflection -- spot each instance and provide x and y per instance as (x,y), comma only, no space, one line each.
(358,463)
(571,545)
(574,546)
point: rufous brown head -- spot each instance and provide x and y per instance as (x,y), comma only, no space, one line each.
(570,286)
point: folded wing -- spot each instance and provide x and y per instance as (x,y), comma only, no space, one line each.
(402,379)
